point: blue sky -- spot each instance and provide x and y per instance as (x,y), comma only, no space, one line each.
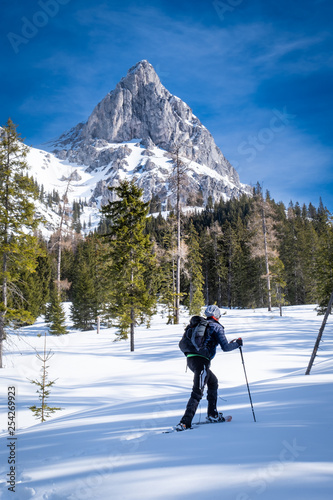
(257,73)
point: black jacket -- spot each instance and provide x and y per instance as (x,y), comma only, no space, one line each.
(215,336)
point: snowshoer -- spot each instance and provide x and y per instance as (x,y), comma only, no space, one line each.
(203,375)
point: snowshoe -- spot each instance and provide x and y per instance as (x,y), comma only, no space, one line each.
(180,427)
(218,418)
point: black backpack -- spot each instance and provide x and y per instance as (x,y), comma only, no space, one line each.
(194,336)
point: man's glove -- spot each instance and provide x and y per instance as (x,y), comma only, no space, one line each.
(239,341)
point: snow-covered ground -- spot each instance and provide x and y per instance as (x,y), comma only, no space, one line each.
(108,441)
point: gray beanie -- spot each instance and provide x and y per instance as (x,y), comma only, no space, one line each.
(213,311)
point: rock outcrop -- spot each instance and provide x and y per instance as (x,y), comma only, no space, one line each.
(140,108)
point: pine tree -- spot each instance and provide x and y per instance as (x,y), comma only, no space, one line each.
(324,265)
(233,257)
(55,315)
(19,249)
(43,411)
(76,214)
(35,287)
(130,260)
(299,247)
(207,260)
(217,272)
(166,256)
(290,251)
(86,285)
(278,283)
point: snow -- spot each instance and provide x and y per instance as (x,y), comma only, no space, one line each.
(53,174)
(108,441)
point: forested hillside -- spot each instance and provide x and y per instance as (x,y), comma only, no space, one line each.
(232,254)
(246,252)
(241,243)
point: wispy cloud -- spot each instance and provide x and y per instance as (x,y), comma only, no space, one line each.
(233,74)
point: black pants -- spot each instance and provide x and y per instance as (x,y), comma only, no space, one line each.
(202,376)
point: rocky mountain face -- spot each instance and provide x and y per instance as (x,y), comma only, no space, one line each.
(131,133)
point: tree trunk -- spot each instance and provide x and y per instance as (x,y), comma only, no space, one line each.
(191,290)
(62,216)
(2,336)
(229,275)
(132,311)
(266,259)
(132,328)
(4,300)
(316,346)
(173,291)
(44,380)
(207,288)
(279,296)
(178,247)
(4,267)
(59,263)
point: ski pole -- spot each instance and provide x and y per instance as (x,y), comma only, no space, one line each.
(248,388)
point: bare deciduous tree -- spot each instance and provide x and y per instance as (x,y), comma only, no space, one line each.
(263,241)
(178,181)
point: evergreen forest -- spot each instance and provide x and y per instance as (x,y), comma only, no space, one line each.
(240,253)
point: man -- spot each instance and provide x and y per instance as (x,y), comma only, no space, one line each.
(203,375)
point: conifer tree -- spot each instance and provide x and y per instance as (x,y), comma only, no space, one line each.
(324,266)
(35,287)
(19,249)
(278,283)
(87,283)
(207,263)
(299,247)
(76,213)
(130,260)
(216,270)
(55,315)
(291,251)
(166,256)
(233,259)
(43,411)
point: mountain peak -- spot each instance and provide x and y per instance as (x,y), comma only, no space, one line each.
(143,65)
(141,108)
(142,74)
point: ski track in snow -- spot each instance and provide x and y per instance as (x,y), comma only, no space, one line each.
(108,441)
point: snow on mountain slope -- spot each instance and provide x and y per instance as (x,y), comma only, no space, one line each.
(90,184)
(141,109)
(53,173)
(131,134)
(107,442)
